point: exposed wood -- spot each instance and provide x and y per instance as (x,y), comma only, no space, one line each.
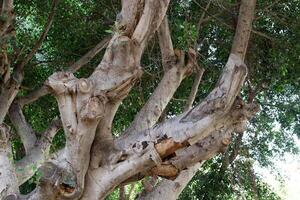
(170,189)
(93,163)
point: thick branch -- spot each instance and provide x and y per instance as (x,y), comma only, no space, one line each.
(6,13)
(171,189)
(175,72)
(8,90)
(153,13)
(36,156)
(129,16)
(244,28)
(165,43)
(44,90)
(8,180)
(98,188)
(23,129)
(213,113)
(103,151)
(8,93)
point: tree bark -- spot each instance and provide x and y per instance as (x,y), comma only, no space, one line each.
(85,169)
(8,183)
(171,189)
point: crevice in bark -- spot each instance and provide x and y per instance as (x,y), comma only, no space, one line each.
(165,149)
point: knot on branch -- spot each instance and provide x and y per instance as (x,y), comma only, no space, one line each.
(122,51)
(186,61)
(191,61)
(123,88)
(226,141)
(85,85)
(93,108)
(62,82)
(165,170)
(242,112)
(68,184)
(60,180)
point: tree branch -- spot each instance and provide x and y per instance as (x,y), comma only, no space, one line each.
(175,71)
(165,130)
(44,90)
(148,22)
(170,189)
(7,87)
(165,44)
(11,88)
(165,147)
(229,26)
(36,156)
(23,129)
(89,55)
(6,12)
(194,89)
(8,180)
(41,39)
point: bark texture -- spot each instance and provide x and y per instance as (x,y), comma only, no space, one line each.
(93,162)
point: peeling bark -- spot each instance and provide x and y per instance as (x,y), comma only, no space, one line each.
(170,189)
(93,163)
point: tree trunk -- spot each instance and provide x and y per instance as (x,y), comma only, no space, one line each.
(93,162)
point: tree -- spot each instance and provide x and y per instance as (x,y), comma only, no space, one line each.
(93,162)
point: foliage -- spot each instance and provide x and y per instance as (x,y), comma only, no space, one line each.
(273,61)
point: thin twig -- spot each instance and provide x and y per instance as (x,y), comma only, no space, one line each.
(42,37)
(194,89)
(230,27)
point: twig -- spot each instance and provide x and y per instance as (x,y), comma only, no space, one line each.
(42,37)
